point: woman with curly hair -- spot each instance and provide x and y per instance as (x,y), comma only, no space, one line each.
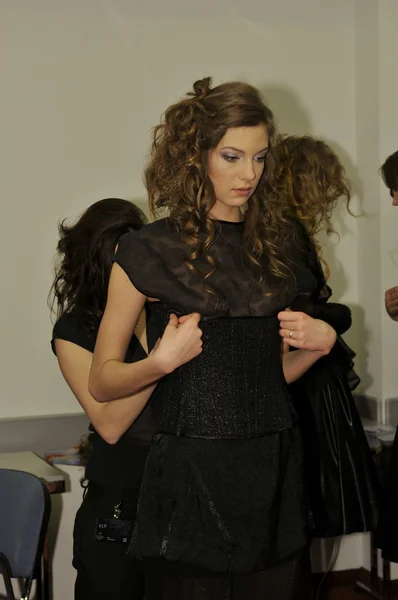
(121,431)
(222,509)
(342,480)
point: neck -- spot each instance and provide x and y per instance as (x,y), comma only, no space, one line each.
(226,213)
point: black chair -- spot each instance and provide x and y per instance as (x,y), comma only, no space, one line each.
(25,508)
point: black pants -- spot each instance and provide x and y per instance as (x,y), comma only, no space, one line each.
(387,529)
(106,572)
(104,569)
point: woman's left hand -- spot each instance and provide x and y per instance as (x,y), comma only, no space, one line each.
(301,331)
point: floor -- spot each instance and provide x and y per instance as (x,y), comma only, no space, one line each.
(348,592)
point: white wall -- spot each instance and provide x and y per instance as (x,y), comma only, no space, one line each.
(376,62)
(388,102)
(83,83)
(368,223)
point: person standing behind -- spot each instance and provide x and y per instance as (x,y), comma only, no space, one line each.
(121,431)
(387,530)
(389,172)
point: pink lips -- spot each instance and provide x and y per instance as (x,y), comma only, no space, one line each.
(243,191)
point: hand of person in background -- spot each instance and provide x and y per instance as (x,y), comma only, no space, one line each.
(391,301)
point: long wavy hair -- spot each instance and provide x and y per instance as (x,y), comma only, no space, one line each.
(85,256)
(178,181)
(310,180)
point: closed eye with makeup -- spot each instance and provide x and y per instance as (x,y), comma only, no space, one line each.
(235,168)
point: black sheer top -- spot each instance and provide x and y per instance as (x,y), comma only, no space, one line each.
(154,260)
(235,388)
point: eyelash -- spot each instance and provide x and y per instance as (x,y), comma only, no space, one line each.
(233,159)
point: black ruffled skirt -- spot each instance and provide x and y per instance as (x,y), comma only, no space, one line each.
(342,481)
(227,505)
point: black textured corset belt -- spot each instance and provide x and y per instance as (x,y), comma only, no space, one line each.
(234,389)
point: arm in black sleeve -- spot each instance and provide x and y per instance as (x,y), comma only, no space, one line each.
(316,305)
(336,315)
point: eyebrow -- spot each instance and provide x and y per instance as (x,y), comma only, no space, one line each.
(242,151)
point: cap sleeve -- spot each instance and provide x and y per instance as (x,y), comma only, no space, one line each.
(130,256)
(69,328)
(146,255)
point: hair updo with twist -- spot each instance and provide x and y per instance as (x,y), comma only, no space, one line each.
(201,88)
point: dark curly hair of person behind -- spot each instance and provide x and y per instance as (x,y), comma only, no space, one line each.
(85,257)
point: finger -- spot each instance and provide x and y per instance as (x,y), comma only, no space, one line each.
(285,333)
(293,325)
(173,321)
(294,343)
(393,289)
(290,315)
(392,294)
(184,319)
(195,317)
(392,304)
(392,308)
(391,297)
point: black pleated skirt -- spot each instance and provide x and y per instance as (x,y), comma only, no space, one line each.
(342,482)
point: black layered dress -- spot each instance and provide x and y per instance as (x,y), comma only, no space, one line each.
(223,492)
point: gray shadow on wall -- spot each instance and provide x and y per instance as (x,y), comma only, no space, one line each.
(357,188)
(342,225)
(291,115)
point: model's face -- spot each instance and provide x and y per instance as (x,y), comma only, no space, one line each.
(394,196)
(235,168)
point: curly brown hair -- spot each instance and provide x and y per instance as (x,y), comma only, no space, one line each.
(177,176)
(310,179)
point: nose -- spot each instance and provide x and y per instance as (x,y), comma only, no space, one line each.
(248,171)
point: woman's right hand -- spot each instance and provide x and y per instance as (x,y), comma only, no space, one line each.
(180,343)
